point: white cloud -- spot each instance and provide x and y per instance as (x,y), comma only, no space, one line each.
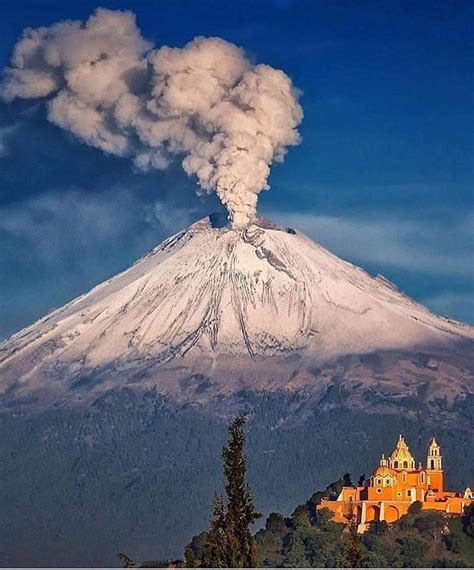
(444,248)
(75,228)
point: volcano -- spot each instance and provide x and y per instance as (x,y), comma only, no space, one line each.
(114,407)
(251,308)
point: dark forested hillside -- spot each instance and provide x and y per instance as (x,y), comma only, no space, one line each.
(134,473)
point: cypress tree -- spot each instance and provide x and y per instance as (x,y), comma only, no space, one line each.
(229,543)
(241,513)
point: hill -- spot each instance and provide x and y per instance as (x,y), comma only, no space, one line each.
(310,539)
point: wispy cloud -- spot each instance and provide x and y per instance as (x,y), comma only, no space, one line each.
(4,134)
(444,247)
(457,305)
(59,244)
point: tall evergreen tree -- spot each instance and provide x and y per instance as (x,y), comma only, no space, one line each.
(230,542)
(241,513)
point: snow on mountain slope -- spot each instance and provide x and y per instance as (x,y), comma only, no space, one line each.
(223,295)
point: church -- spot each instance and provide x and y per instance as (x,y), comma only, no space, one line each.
(394,485)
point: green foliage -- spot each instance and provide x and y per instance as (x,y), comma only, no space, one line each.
(353,549)
(125,560)
(189,558)
(415,508)
(229,542)
(300,517)
(468,520)
(302,540)
(216,538)
(241,513)
(432,524)
(419,539)
(459,536)
(295,553)
(379,528)
(413,550)
(276,523)
(196,547)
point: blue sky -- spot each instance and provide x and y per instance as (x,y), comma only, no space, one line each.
(383,176)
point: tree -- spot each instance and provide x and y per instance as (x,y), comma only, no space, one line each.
(230,542)
(300,517)
(347,480)
(276,523)
(354,547)
(295,556)
(468,520)
(189,558)
(214,546)
(415,508)
(353,551)
(125,560)
(362,478)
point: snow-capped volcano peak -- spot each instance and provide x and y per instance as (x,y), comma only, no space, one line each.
(215,293)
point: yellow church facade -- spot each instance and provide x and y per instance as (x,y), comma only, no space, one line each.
(394,485)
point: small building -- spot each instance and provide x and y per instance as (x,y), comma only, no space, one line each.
(394,485)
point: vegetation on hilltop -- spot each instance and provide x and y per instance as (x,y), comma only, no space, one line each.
(309,538)
(419,539)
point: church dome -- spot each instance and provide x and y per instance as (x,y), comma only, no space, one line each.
(383,476)
(383,471)
(401,457)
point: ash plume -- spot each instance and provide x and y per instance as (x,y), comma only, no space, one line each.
(225,118)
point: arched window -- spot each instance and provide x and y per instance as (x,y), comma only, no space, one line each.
(422,477)
(405,464)
(432,463)
(404,477)
(395,464)
(379,481)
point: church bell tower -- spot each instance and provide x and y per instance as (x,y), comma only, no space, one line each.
(434,466)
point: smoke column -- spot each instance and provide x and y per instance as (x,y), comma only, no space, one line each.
(225,118)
